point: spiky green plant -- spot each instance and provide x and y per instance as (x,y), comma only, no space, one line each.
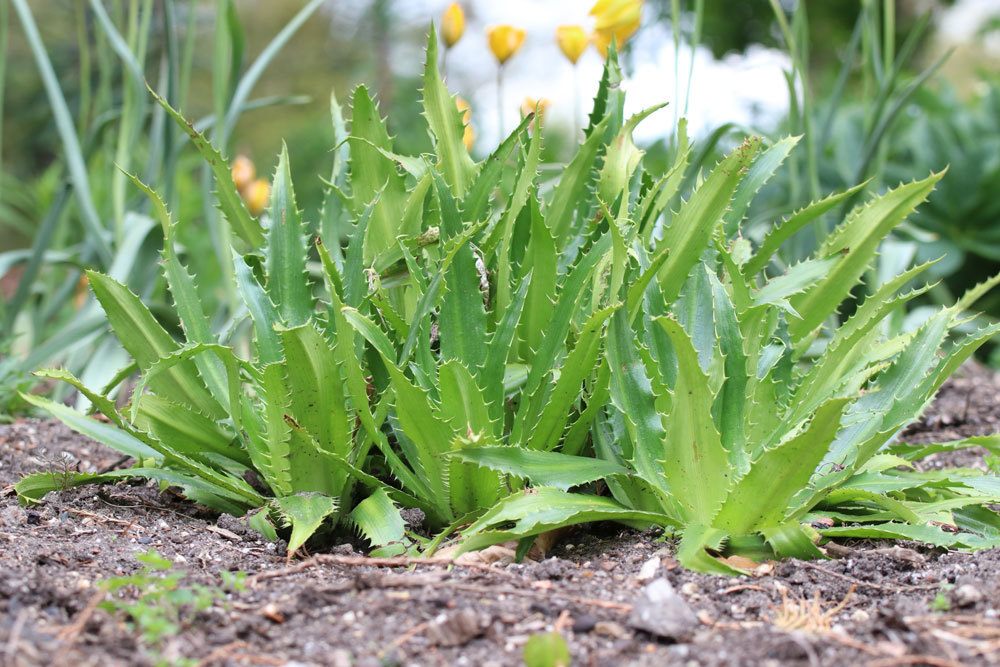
(452,350)
(742,408)
(446,322)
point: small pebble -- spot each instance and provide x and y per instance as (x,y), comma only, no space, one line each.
(966,595)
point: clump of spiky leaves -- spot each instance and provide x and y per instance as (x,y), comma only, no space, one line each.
(454,347)
(461,312)
(480,317)
(742,408)
(273,431)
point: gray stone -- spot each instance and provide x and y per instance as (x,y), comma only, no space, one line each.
(966,595)
(457,628)
(659,610)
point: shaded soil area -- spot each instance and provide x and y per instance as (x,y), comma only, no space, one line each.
(617,596)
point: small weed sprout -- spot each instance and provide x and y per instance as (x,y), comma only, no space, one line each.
(158,602)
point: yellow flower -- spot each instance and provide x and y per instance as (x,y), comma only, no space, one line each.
(505,40)
(243,171)
(469,136)
(453,24)
(538,107)
(615,18)
(256,196)
(601,42)
(572,41)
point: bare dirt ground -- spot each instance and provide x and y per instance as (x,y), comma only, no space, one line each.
(880,605)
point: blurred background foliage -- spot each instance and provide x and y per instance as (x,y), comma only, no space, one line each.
(883,90)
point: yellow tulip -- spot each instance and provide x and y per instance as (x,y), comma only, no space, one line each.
(572,41)
(256,195)
(618,19)
(469,136)
(505,40)
(243,171)
(453,24)
(601,42)
(538,107)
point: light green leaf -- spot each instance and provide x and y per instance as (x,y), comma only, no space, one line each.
(445,121)
(378,519)
(542,509)
(288,283)
(306,513)
(229,200)
(691,231)
(561,471)
(695,463)
(856,242)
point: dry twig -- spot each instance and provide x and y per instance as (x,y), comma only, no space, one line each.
(71,631)
(902,660)
(867,584)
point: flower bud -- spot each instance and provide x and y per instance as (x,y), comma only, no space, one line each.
(452,24)
(257,195)
(505,40)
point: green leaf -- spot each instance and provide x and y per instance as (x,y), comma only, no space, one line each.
(542,509)
(262,310)
(100,402)
(795,280)
(316,389)
(692,229)
(780,233)
(561,471)
(143,338)
(695,463)
(790,540)
(371,332)
(187,430)
(430,435)
(572,187)
(115,438)
(129,443)
(731,402)
(692,554)
(523,187)
(547,649)
(462,316)
(229,200)
(546,432)
(445,121)
(288,283)
(499,349)
(197,326)
(622,158)
(378,519)
(760,172)
(856,242)
(632,393)
(260,521)
(374,178)
(306,513)
(33,488)
(916,452)
(900,531)
(463,407)
(555,337)
(475,202)
(761,496)
(540,260)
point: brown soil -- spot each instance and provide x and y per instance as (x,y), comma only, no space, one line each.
(874,602)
